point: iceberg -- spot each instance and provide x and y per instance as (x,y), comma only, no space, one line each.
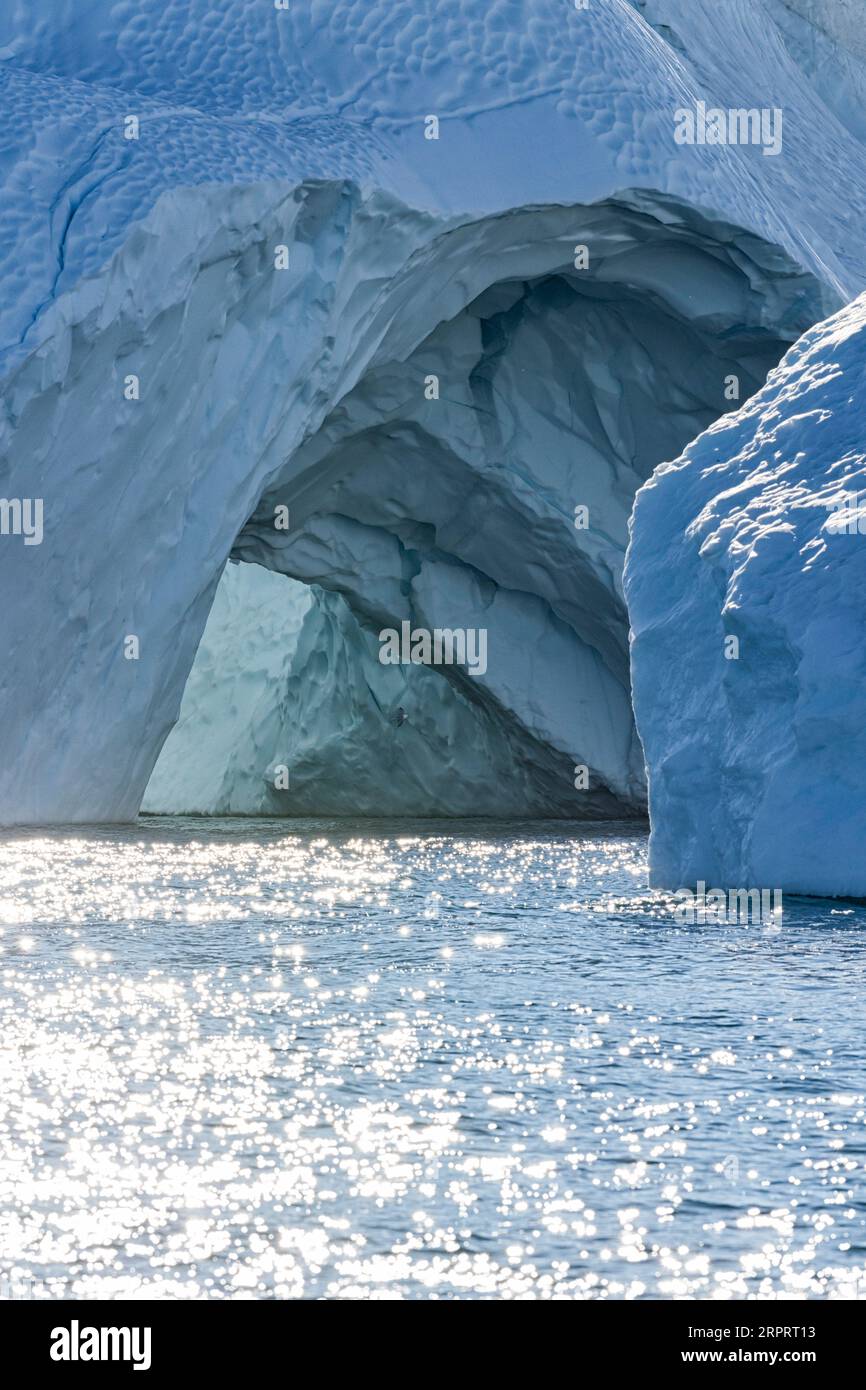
(397,310)
(745,580)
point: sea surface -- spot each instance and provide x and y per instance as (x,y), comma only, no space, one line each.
(432,1060)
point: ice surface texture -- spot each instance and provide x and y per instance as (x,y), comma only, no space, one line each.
(304,387)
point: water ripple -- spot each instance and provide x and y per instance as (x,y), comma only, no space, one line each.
(436,1060)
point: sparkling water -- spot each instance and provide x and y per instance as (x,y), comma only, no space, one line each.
(255,1059)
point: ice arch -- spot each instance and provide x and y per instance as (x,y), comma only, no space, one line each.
(556,389)
(306,385)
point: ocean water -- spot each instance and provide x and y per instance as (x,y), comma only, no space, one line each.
(259,1059)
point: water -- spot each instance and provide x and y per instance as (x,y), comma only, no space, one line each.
(427,1060)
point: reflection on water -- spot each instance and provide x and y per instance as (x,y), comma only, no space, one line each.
(258,1059)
